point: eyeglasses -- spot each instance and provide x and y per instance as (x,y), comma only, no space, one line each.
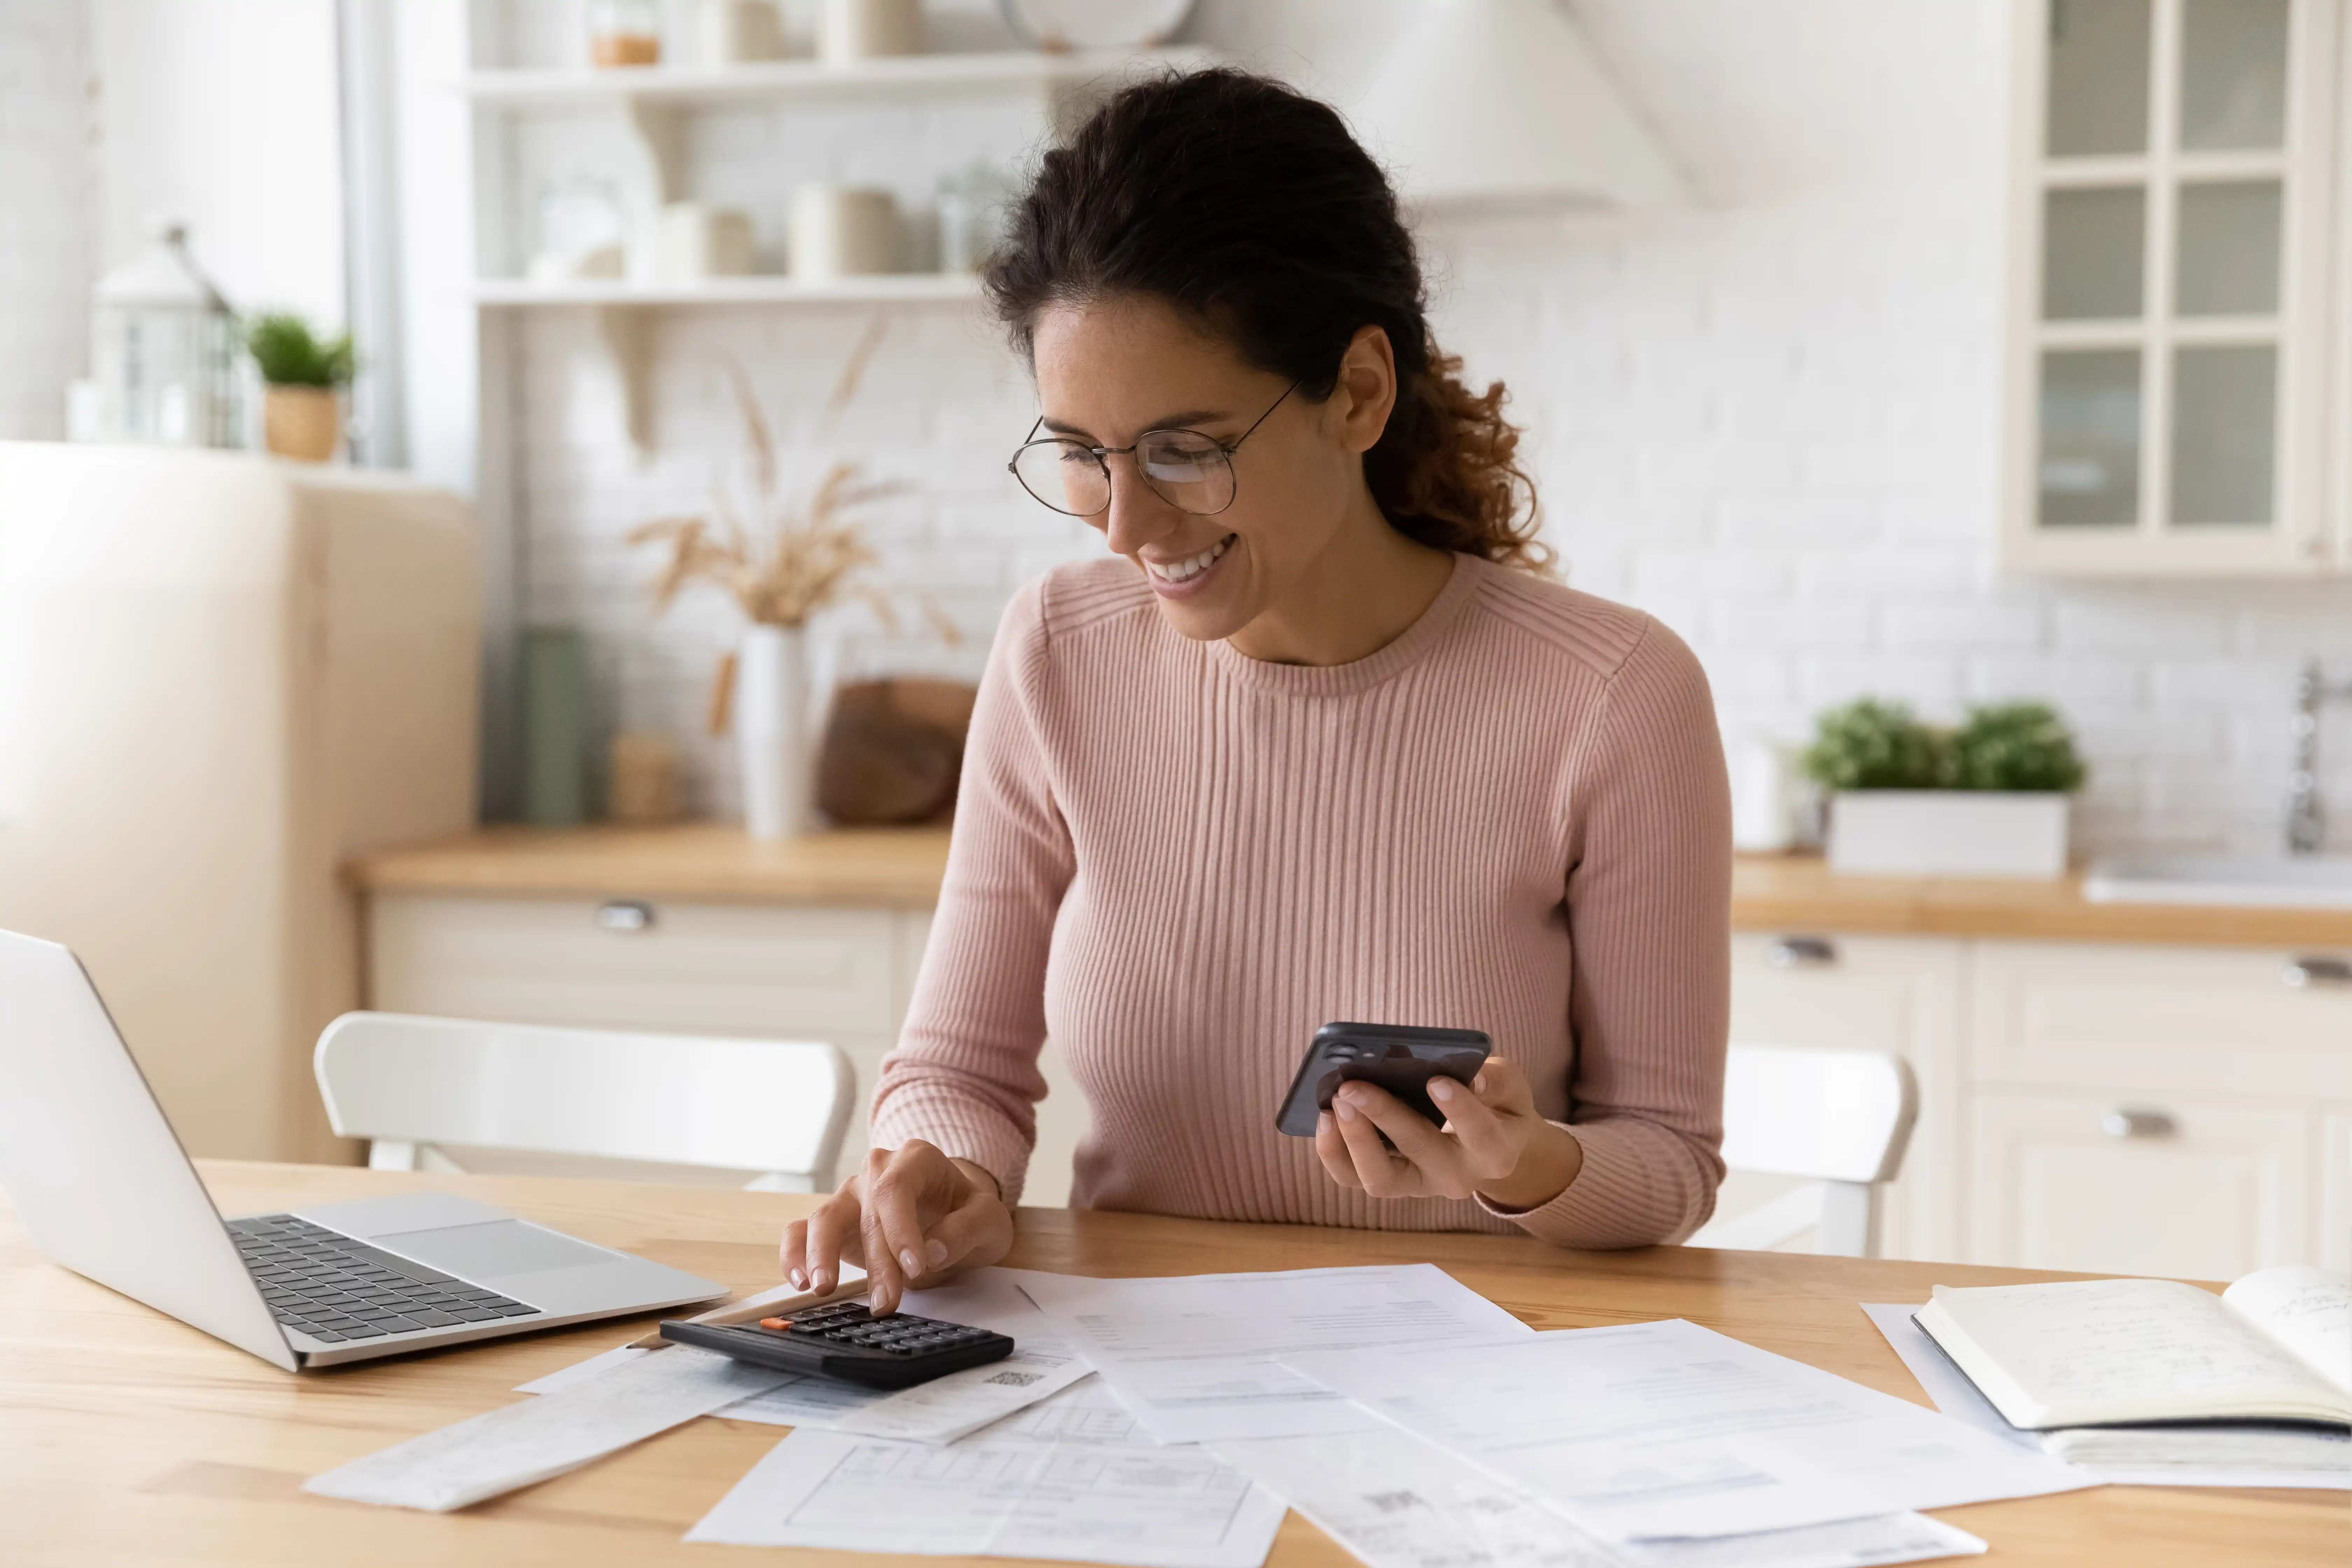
(1183,467)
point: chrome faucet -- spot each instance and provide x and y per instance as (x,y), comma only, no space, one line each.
(2306,819)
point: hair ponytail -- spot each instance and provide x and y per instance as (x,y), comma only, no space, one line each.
(1250,207)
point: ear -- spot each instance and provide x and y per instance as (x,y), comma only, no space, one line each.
(1366,393)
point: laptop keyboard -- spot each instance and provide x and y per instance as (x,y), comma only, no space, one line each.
(335,1288)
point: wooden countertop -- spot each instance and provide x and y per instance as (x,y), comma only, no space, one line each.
(127,1437)
(901,867)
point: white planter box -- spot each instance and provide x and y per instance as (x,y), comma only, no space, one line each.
(1947,833)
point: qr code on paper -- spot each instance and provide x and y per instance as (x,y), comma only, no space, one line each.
(1018,1379)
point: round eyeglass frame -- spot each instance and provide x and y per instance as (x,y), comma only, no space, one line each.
(1102,456)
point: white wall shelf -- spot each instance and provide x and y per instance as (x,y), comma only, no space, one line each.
(893,76)
(882,289)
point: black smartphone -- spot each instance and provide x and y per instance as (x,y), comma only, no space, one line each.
(1400,1057)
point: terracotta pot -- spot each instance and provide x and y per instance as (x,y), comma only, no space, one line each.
(304,423)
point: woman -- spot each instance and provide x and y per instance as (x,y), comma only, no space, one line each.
(1321,742)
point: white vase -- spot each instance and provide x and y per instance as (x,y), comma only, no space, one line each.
(771,730)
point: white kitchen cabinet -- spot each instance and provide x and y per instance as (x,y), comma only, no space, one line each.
(2335,1189)
(1897,995)
(843,975)
(2182,1020)
(2173,200)
(2207,1188)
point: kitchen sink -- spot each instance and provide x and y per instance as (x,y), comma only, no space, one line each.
(2306,882)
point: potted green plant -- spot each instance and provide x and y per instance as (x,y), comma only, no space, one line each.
(1987,799)
(301,415)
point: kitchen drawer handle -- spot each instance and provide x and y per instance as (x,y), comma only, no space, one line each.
(626,914)
(1801,953)
(2313,969)
(2126,1121)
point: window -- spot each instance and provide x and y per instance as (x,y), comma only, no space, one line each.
(2168,348)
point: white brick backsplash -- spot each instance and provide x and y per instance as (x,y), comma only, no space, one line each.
(48,215)
(1771,419)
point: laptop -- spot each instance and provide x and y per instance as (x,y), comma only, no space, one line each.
(101,1185)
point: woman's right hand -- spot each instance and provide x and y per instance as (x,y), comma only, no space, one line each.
(911,1219)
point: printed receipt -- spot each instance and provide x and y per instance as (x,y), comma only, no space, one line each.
(1072,1479)
(1396,1502)
(522,1444)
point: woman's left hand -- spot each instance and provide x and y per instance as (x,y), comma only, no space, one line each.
(1492,1144)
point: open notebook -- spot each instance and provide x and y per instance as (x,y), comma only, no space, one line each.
(2276,1347)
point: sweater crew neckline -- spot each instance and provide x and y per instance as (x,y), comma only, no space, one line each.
(1406,649)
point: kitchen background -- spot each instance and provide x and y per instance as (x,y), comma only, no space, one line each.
(1771,417)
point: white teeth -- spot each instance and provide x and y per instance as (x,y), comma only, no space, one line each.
(1177,571)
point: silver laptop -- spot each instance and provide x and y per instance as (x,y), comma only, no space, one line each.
(101,1185)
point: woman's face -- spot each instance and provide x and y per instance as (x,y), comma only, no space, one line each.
(1109,370)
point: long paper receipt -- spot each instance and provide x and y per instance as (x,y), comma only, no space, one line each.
(470,1461)
(1199,1356)
(1667,1429)
(1071,1479)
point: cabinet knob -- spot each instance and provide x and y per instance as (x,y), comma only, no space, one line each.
(2126,1121)
(626,914)
(1801,953)
(2316,968)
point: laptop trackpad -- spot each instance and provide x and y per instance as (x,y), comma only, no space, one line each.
(502,1246)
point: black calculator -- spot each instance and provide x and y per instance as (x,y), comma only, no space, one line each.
(843,1339)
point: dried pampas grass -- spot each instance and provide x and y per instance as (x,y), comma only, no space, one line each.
(782,566)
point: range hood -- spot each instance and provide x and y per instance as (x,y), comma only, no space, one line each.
(1498,104)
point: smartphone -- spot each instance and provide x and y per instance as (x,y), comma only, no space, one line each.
(1400,1057)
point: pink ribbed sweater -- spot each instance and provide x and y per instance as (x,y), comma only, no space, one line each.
(1177,861)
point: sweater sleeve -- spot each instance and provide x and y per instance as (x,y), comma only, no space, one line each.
(1649,910)
(964,1074)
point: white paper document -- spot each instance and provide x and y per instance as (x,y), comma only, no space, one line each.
(1668,1430)
(1073,1479)
(1956,1397)
(1199,1356)
(545,1436)
(940,1411)
(1396,1502)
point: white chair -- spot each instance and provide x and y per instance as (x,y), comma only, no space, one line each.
(450,1093)
(1840,1119)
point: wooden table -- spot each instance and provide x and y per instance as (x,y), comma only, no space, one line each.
(128,1438)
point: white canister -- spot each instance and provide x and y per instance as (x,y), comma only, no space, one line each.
(736,31)
(693,241)
(840,232)
(771,732)
(854,30)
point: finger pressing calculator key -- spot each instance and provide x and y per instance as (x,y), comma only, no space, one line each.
(844,1340)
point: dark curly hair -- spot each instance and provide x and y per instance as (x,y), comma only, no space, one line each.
(1251,208)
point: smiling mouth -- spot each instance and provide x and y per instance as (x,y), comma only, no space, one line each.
(1192,566)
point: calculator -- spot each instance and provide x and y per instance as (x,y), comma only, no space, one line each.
(843,1339)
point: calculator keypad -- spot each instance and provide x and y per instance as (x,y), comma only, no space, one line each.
(848,1324)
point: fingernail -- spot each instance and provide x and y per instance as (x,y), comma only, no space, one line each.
(913,1264)
(820,1281)
(1346,1108)
(937,1251)
(1442,1088)
(799,1280)
(1479,1083)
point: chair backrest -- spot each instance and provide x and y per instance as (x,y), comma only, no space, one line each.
(771,1106)
(1841,1119)
(1835,1115)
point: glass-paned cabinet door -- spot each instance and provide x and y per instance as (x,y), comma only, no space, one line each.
(2171,291)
